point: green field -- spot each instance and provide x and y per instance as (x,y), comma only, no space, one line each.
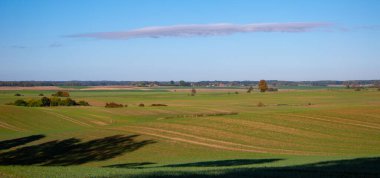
(298,133)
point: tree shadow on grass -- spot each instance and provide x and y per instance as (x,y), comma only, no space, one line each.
(221,163)
(130,165)
(361,167)
(6,144)
(72,151)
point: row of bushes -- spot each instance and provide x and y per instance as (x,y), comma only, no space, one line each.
(116,105)
(57,94)
(46,102)
(203,115)
(159,105)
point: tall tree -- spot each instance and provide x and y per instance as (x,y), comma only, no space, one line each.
(193,92)
(250,89)
(263,86)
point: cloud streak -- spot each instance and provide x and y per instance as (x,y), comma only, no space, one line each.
(203,30)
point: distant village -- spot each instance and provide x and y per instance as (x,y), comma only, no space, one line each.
(182,83)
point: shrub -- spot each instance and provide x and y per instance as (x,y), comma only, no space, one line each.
(68,102)
(83,103)
(55,101)
(141,105)
(260,104)
(357,89)
(159,105)
(18,94)
(113,105)
(61,94)
(41,94)
(236,92)
(272,89)
(45,101)
(250,89)
(20,103)
(126,105)
(34,103)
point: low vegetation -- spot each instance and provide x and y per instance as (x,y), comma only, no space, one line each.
(203,115)
(159,105)
(113,105)
(260,104)
(273,89)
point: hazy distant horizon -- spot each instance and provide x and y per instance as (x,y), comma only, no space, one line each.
(183,80)
(189,40)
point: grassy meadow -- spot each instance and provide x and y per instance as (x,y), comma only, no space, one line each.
(297,133)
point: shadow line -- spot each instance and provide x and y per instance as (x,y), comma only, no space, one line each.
(72,151)
(353,168)
(6,144)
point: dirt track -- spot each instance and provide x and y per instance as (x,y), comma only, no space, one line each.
(219,144)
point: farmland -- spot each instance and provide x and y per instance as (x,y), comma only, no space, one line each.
(296,132)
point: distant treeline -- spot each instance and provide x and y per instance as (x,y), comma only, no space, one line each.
(184,83)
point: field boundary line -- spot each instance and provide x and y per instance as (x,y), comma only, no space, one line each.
(68,119)
(273,128)
(11,127)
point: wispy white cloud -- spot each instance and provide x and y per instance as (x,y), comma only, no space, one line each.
(204,30)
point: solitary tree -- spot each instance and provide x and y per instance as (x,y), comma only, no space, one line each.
(263,86)
(193,92)
(250,89)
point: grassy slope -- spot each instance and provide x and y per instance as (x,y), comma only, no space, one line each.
(340,124)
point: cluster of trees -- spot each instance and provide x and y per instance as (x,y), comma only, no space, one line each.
(117,105)
(262,86)
(47,102)
(183,83)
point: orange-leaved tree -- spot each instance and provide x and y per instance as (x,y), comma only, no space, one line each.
(263,86)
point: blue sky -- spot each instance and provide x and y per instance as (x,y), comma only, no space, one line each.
(64,40)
